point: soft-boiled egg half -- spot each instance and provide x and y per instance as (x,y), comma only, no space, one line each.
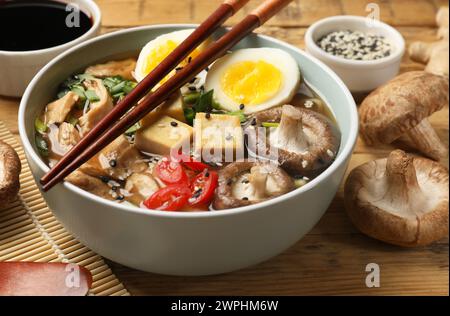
(258,78)
(155,51)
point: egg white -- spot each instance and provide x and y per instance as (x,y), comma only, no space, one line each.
(177,37)
(284,62)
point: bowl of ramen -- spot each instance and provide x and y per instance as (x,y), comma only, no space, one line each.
(230,171)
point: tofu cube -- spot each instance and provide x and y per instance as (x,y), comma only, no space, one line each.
(164,135)
(173,107)
(218,135)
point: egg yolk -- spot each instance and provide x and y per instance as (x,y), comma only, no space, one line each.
(251,82)
(159,53)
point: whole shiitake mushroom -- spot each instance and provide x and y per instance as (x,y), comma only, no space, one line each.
(402,199)
(10,168)
(400,110)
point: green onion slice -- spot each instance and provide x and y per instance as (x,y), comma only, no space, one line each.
(270,124)
(40,126)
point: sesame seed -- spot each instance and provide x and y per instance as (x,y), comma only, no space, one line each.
(304,163)
(105,179)
(308,104)
(241,107)
(174,124)
(208,115)
(355,45)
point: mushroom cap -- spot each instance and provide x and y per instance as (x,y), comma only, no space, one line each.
(10,168)
(401,104)
(224,198)
(321,136)
(410,212)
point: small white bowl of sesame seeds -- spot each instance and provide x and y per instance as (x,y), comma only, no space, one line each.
(364,52)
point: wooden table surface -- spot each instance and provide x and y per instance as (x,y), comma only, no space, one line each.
(332,258)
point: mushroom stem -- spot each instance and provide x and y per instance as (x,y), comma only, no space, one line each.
(258,181)
(403,190)
(425,139)
(290,134)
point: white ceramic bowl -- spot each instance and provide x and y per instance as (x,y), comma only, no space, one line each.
(18,68)
(177,243)
(359,76)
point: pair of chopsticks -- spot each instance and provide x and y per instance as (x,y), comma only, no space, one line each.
(119,119)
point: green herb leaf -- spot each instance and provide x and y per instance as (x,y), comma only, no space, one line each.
(216,105)
(204,102)
(40,126)
(191,98)
(41,145)
(62,93)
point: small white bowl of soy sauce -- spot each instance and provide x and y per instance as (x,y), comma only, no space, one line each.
(36,31)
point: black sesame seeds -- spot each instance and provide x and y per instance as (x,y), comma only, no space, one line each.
(355,45)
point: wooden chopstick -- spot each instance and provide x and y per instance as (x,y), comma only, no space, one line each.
(198,36)
(255,19)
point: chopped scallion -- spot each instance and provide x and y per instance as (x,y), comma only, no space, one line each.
(270,124)
(80,91)
(118,88)
(240,114)
(72,120)
(40,126)
(92,96)
(133,129)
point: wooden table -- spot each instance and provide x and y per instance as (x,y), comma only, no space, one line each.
(332,258)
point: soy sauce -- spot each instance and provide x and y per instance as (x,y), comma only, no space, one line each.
(30,25)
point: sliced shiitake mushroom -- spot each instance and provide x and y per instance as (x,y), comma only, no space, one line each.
(244,183)
(305,142)
(10,168)
(402,200)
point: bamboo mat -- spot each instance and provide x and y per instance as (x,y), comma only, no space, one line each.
(30,232)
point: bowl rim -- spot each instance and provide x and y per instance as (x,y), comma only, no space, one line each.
(96,15)
(395,36)
(341,157)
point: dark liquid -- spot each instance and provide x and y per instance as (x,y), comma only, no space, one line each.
(31,25)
